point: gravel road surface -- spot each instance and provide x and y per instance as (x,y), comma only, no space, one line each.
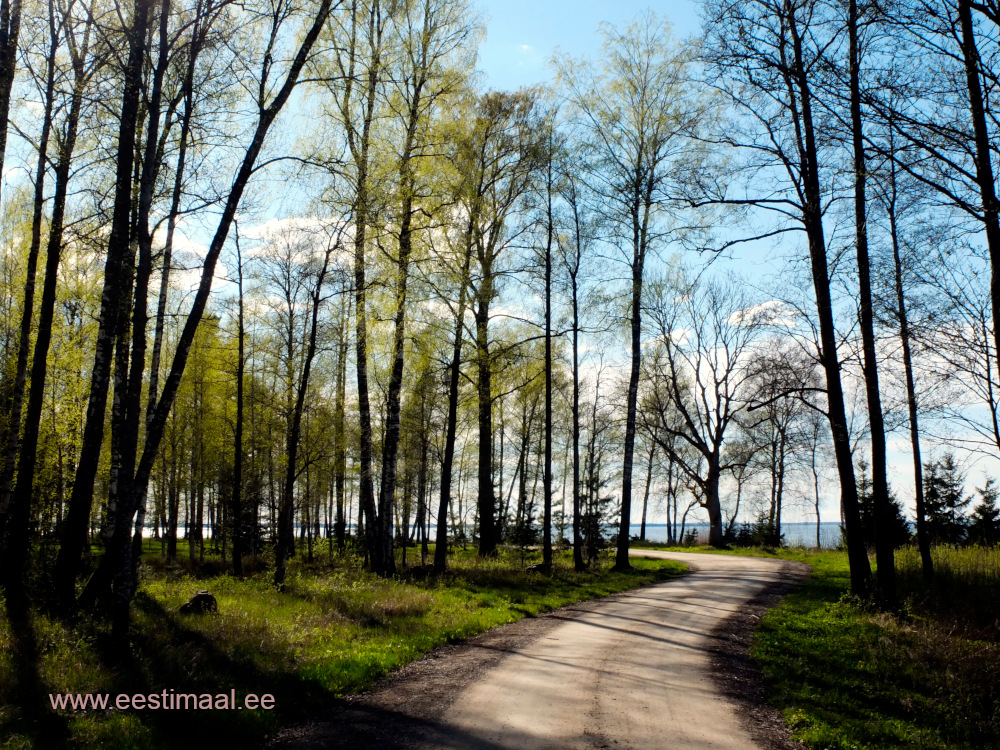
(636,670)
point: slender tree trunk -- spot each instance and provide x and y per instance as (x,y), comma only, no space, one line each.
(81,500)
(367,491)
(645,494)
(10,29)
(923,540)
(451,429)
(19,515)
(547,478)
(578,561)
(638,259)
(774,483)
(884,551)
(173,504)
(390,445)
(673,487)
(340,438)
(239,548)
(780,493)
(359,144)
(28,305)
(736,509)
(815,473)
(813,223)
(194,47)
(422,483)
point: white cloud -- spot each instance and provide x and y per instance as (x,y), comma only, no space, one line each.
(772,312)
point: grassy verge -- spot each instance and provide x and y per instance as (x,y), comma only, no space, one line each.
(333,631)
(847,677)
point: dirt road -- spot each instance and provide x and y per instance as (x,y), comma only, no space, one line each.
(630,671)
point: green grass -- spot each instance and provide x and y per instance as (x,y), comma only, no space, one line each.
(965,590)
(331,632)
(848,677)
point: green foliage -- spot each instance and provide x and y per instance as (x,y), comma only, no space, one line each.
(333,631)
(761,533)
(899,531)
(984,522)
(945,500)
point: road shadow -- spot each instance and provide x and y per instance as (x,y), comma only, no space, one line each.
(734,672)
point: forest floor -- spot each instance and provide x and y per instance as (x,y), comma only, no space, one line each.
(332,632)
(667,660)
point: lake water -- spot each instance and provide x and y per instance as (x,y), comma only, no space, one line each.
(796,534)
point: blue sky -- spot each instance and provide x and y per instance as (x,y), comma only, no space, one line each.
(523,34)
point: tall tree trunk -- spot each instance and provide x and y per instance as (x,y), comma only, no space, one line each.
(451,429)
(19,514)
(81,500)
(815,473)
(484,390)
(28,305)
(422,484)
(547,477)
(339,412)
(359,145)
(645,494)
(10,30)
(578,561)
(884,550)
(239,548)
(812,218)
(187,92)
(130,414)
(923,538)
(373,532)
(638,260)
(390,445)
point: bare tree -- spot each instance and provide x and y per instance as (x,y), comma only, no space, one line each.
(766,56)
(700,374)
